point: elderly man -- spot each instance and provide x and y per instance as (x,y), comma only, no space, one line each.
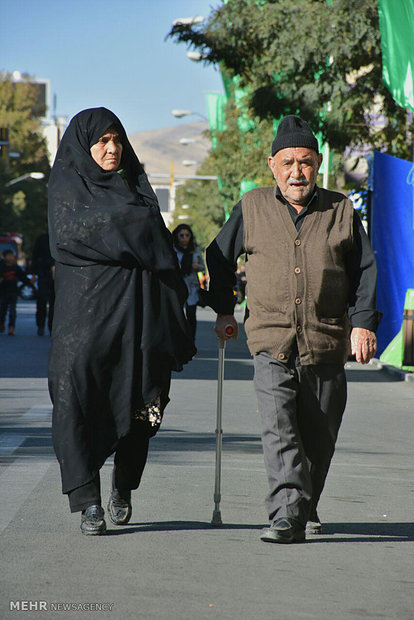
(311,279)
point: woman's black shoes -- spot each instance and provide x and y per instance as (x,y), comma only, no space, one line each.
(119,509)
(92,521)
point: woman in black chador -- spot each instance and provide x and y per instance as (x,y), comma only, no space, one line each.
(118,328)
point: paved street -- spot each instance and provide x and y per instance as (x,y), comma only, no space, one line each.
(169,563)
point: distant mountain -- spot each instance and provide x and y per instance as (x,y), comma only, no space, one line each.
(157,149)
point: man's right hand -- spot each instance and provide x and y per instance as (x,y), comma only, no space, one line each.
(223,320)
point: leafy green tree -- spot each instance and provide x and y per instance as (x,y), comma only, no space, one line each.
(241,156)
(23,206)
(203,210)
(238,156)
(319,58)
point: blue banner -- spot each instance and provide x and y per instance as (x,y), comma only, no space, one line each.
(392,226)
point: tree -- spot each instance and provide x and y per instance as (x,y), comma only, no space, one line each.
(237,157)
(203,206)
(23,206)
(321,59)
(241,155)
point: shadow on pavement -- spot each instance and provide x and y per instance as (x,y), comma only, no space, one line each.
(371,375)
(175,526)
(190,442)
(24,356)
(352,532)
(366,532)
(205,368)
(37,442)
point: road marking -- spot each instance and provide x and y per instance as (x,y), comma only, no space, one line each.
(18,479)
(37,416)
(38,413)
(9,442)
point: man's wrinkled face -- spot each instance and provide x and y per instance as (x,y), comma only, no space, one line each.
(107,151)
(295,170)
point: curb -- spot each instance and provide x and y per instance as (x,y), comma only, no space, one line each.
(404,375)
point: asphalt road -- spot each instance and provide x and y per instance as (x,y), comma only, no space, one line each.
(169,563)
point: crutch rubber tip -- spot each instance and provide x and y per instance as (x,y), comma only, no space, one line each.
(216,520)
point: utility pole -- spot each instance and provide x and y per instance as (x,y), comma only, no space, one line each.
(4,141)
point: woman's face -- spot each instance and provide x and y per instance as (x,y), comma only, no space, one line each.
(184,237)
(107,151)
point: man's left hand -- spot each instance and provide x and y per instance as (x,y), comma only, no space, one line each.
(363,344)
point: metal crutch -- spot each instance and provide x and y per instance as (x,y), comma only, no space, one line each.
(216,519)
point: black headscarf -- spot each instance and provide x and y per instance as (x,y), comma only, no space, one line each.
(82,196)
(84,131)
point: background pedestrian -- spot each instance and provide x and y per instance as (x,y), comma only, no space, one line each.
(43,268)
(10,276)
(191,262)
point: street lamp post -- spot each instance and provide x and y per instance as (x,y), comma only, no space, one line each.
(29,175)
(181,113)
(196,56)
(188,21)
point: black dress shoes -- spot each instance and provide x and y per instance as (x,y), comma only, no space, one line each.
(119,508)
(92,521)
(284,530)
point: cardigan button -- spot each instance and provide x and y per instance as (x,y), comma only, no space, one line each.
(281,356)
(297,241)
(298,301)
(297,269)
(299,329)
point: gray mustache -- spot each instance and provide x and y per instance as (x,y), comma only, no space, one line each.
(292,181)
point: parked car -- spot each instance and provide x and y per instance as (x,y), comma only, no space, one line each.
(13,241)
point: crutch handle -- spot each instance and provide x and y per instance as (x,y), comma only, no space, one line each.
(228,330)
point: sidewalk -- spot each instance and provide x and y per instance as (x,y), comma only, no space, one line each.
(169,563)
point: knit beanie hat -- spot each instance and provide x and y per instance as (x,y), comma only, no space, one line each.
(293,131)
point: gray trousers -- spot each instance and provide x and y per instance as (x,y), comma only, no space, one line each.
(301,408)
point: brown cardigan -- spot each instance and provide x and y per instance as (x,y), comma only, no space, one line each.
(297,284)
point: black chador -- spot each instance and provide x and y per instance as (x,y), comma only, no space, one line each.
(118,328)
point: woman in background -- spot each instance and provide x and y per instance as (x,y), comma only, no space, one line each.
(191,262)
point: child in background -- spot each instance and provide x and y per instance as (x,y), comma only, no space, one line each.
(10,275)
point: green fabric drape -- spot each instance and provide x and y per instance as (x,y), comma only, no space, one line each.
(396,18)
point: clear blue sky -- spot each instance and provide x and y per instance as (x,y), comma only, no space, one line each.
(109,53)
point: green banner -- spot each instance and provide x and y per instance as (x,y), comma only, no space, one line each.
(394,353)
(396,18)
(216,114)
